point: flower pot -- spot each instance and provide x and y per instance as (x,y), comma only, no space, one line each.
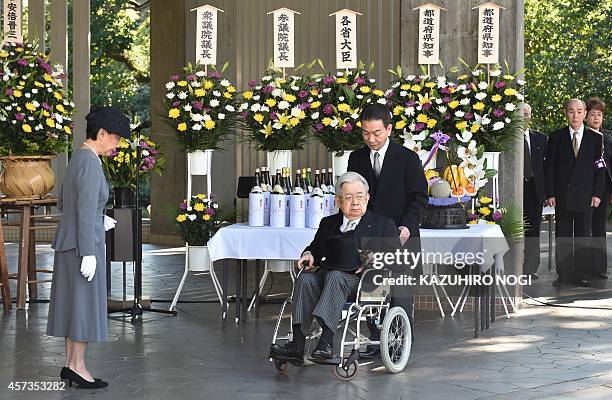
(198,258)
(26,177)
(279,159)
(123,197)
(340,163)
(492,158)
(199,162)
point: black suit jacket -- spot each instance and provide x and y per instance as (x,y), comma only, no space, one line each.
(537,145)
(607,154)
(370,231)
(571,180)
(400,192)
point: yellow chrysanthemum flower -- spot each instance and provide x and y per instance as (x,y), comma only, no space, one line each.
(26,128)
(231,89)
(431,123)
(314,92)
(485,211)
(67,130)
(289,97)
(181,83)
(30,107)
(201,196)
(174,113)
(181,218)
(405,86)
(46,113)
(453,104)
(16,93)
(510,92)
(479,106)
(47,77)
(461,125)
(509,77)
(364,89)
(38,84)
(485,200)
(315,104)
(430,85)
(209,124)
(182,127)
(400,124)
(270,102)
(208,84)
(378,93)
(199,207)
(495,98)
(398,110)
(3,54)
(475,127)
(294,121)
(258,117)
(199,92)
(247,95)
(326,121)
(206,217)
(227,95)
(50,123)
(416,88)
(422,118)
(341,80)
(60,108)
(343,107)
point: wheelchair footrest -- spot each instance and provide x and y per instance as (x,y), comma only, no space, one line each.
(335,360)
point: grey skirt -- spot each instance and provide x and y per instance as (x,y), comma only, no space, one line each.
(77,308)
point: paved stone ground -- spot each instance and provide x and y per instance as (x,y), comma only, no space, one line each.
(561,352)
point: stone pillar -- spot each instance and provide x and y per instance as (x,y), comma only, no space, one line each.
(36,23)
(458,39)
(167,58)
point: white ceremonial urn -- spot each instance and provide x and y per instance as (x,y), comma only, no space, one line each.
(340,163)
(199,258)
(279,159)
(199,162)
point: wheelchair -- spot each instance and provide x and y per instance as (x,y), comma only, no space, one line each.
(371,304)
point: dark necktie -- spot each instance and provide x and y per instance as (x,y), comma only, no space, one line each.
(528,170)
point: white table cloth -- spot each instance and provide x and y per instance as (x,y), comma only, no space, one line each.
(242,242)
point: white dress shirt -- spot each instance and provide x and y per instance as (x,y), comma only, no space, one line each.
(346,222)
(382,152)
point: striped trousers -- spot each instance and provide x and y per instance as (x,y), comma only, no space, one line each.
(322,294)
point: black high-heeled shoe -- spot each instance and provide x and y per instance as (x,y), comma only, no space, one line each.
(64,373)
(84,383)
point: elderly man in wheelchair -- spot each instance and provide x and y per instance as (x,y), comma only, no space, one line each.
(332,270)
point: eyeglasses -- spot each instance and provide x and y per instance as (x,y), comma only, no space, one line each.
(350,196)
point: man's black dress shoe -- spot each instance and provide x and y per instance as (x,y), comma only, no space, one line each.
(371,351)
(323,350)
(600,276)
(583,283)
(288,351)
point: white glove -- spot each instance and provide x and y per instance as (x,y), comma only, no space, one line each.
(88,267)
(109,223)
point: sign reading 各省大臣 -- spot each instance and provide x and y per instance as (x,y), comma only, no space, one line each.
(346,38)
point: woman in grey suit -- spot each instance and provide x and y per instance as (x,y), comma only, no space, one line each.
(77,307)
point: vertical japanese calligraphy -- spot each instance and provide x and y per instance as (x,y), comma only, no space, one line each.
(346,38)
(284,43)
(206,35)
(429,34)
(12,21)
(488,33)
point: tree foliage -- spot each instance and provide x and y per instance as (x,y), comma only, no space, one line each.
(568,53)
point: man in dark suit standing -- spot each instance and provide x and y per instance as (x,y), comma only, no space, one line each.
(398,188)
(574,185)
(534,193)
(321,294)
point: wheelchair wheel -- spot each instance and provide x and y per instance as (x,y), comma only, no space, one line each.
(395,340)
(346,374)
(281,366)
